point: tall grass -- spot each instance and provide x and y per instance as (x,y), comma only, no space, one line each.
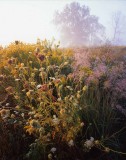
(56,106)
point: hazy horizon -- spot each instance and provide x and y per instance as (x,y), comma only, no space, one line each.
(28,20)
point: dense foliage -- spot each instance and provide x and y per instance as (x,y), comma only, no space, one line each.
(55,105)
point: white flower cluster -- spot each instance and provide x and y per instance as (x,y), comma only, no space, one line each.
(39,86)
(53,150)
(89,143)
(50,155)
(71,143)
(55,120)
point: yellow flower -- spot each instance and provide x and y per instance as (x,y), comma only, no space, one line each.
(82,124)
(16,97)
(30,62)
(85,88)
(65,63)
(50,156)
(12,116)
(62,111)
(35,69)
(17,107)
(33,74)
(41,131)
(28,94)
(35,124)
(78,95)
(22,64)
(37,115)
(96,142)
(29,129)
(107,150)
(33,83)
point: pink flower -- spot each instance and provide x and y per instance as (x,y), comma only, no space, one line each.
(121,109)
(100,70)
(107,84)
(120,87)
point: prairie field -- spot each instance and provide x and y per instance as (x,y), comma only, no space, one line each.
(62,103)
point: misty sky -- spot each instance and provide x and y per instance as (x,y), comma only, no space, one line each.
(27,20)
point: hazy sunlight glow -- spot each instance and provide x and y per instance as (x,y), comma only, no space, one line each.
(28,20)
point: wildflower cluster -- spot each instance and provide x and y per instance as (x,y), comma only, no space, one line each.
(55,106)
